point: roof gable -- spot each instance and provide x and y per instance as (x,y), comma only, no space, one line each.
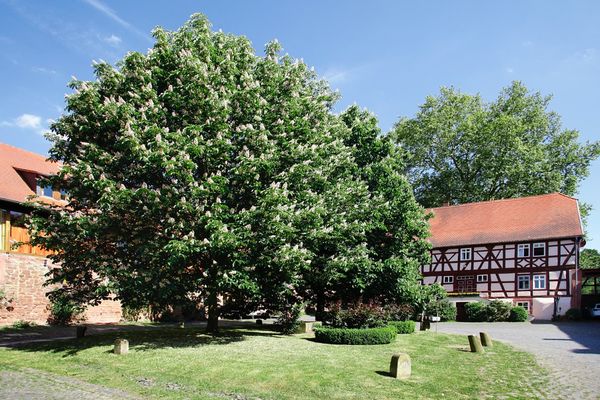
(510,220)
(15,164)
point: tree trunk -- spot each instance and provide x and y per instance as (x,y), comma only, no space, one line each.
(320,311)
(213,313)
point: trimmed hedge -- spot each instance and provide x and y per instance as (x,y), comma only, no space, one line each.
(518,314)
(403,327)
(383,335)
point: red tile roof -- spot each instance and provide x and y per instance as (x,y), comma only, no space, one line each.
(527,218)
(13,186)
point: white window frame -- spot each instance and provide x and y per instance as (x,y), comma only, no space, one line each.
(448,279)
(463,251)
(539,246)
(519,280)
(521,250)
(482,278)
(539,281)
(525,304)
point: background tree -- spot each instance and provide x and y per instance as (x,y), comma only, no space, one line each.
(589,258)
(200,170)
(459,149)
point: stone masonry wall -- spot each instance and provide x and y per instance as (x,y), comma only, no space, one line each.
(22,278)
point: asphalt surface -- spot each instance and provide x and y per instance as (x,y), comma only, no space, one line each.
(569,350)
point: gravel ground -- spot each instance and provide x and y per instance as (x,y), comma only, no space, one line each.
(569,350)
(32,384)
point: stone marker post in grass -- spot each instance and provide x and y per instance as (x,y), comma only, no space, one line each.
(307,326)
(121,346)
(486,339)
(475,344)
(259,322)
(400,366)
(80,332)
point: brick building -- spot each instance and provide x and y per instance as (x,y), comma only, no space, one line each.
(22,269)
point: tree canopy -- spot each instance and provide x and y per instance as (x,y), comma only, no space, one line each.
(589,258)
(201,170)
(460,149)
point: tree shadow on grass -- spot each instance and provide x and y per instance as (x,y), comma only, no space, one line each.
(148,340)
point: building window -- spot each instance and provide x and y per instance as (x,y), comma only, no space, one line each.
(539,281)
(523,281)
(63,194)
(482,278)
(465,254)
(523,250)
(44,190)
(524,304)
(539,249)
(448,279)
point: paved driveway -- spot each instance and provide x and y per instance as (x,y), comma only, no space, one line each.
(570,350)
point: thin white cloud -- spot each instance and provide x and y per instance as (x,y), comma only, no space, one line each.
(44,70)
(113,40)
(106,10)
(510,70)
(336,76)
(28,121)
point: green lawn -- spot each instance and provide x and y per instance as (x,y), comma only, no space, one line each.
(259,364)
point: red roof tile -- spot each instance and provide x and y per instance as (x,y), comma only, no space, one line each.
(13,186)
(527,218)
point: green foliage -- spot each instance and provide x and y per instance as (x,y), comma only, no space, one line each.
(64,311)
(494,311)
(498,310)
(200,170)
(518,314)
(476,311)
(359,315)
(573,314)
(380,335)
(399,312)
(289,319)
(133,314)
(459,149)
(22,324)
(403,327)
(589,258)
(443,309)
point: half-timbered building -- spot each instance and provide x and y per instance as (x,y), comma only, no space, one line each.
(522,250)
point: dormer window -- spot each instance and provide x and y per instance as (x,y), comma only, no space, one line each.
(44,190)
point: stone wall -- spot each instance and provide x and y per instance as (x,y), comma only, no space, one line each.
(22,278)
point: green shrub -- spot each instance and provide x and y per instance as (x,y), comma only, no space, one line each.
(476,311)
(21,324)
(64,311)
(443,309)
(518,314)
(358,315)
(498,310)
(573,314)
(288,321)
(399,312)
(403,327)
(381,335)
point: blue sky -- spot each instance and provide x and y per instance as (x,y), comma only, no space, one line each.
(384,55)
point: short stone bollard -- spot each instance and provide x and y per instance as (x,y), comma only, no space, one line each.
(80,332)
(121,346)
(307,326)
(259,322)
(182,325)
(475,344)
(486,339)
(400,366)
